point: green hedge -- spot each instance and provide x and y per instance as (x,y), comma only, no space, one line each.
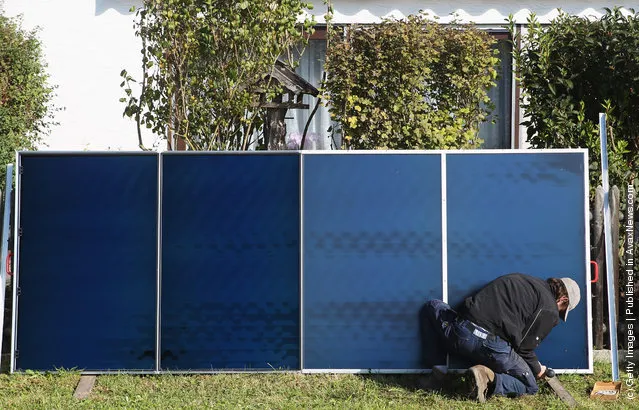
(410,84)
(26,107)
(573,69)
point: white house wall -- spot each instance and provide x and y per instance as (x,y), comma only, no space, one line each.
(88,42)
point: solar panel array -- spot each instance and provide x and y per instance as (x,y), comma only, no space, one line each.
(319,262)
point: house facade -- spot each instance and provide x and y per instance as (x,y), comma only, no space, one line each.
(88,42)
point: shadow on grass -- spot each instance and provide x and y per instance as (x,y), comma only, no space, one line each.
(451,386)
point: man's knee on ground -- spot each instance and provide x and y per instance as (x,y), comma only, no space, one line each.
(532,389)
(531,385)
(524,375)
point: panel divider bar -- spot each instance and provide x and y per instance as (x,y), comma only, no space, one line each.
(588,257)
(444,232)
(301,261)
(158,286)
(444,240)
(16,261)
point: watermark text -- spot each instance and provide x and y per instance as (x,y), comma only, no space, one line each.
(631,384)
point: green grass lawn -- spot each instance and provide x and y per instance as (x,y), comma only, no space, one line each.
(277,391)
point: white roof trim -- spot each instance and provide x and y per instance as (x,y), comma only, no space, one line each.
(345,12)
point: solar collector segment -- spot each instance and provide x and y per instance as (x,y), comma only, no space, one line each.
(87,266)
(372,256)
(521,212)
(230,262)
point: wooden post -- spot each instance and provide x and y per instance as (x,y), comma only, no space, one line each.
(599,256)
(275,125)
(84,387)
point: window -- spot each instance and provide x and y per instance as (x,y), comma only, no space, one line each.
(495,135)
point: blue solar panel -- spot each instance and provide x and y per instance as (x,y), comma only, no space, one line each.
(87,272)
(232,293)
(372,256)
(520,213)
(230,262)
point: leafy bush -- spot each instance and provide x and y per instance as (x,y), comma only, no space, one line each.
(570,71)
(409,84)
(203,63)
(26,108)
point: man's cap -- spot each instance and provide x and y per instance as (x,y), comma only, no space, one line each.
(574,295)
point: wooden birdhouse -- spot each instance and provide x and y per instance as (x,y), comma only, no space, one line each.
(294,87)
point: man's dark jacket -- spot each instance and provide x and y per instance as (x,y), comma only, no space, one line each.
(518,308)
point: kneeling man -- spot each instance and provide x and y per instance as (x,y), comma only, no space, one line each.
(499,328)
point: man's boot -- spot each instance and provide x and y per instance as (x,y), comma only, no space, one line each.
(436,379)
(478,378)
